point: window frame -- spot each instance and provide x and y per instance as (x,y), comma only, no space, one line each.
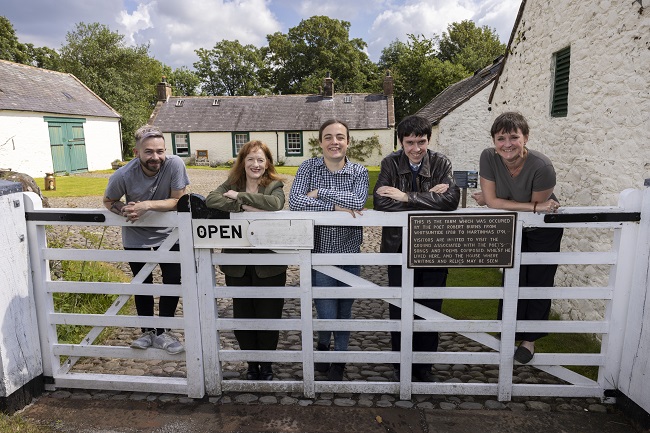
(187,144)
(234,135)
(287,153)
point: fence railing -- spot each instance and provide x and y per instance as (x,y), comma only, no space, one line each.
(203,326)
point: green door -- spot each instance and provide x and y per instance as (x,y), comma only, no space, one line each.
(68,146)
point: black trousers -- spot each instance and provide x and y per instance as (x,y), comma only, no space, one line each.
(258,308)
(171,274)
(539,240)
(422,341)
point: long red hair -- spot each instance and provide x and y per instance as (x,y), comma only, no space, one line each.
(237,175)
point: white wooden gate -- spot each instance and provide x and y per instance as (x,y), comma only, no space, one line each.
(202,325)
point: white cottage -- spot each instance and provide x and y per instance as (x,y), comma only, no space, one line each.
(214,128)
(50,122)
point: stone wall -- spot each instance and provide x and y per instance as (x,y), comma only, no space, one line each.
(603,145)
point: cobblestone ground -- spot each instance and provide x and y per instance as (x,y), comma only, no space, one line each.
(202,182)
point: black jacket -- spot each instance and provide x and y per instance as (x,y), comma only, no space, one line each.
(396,172)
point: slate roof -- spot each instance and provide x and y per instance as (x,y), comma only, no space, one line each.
(270,113)
(26,88)
(458,93)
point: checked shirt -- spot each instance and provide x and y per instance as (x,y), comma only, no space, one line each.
(346,188)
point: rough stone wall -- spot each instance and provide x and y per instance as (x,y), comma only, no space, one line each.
(603,145)
(465,132)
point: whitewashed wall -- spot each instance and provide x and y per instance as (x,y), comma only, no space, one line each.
(465,132)
(603,145)
(20,354)
(103,142)
(219,144)
(25,142)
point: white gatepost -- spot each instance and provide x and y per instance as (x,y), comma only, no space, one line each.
(633,378)
(20,354)
(509,320)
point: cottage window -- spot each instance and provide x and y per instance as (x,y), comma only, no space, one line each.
(560,96)
(293,143)
(181,143)
(238,140)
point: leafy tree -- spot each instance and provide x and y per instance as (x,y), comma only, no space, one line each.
(473,47)
(391,54)
(230,68)
(300,59)
(125,77)
(184,82)
(9,44)
(11,49)
(419,75)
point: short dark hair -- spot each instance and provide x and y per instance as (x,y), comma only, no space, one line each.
(414,125)
(508,122)
(332,122)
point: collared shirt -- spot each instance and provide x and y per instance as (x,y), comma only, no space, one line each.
(347,188)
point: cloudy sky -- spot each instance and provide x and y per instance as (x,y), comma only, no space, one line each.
(175,28)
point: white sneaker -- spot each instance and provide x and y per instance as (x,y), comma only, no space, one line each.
(144,341)
(168,343)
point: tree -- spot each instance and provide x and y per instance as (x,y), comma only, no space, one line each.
(419,75)
(300,59)
(8,41)
(230,68)
(125,77)
(471,46)
(391,54)
(184,82)
(14,51)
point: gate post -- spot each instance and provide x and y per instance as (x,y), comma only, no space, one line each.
(632,379)
(191,294)
(20,354)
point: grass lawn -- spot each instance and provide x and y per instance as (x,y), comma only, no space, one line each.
(74,186)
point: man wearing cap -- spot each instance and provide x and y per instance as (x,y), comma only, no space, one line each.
(152,181)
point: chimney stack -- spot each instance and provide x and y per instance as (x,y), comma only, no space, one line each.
(390,99)
(163,90)
(388,84)
(328,87)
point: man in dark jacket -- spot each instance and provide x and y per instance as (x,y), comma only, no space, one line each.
(415,178)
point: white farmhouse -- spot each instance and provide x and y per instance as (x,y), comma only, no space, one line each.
(214,128)
(50,122)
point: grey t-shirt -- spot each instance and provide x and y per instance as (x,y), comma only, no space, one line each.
(537,174)
(131,182)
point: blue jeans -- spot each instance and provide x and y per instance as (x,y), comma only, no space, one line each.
(334,308)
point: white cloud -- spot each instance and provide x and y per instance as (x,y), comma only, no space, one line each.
(178,28)
(432,17)
(174,29)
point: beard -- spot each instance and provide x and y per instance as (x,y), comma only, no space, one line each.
(152,166)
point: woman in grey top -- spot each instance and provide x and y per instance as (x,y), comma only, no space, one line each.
(253,185)
(519,179)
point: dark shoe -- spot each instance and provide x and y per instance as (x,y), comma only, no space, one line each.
(523,355)
(253,372)
(424,375)
(266,371)
(322,367)
(336,371)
